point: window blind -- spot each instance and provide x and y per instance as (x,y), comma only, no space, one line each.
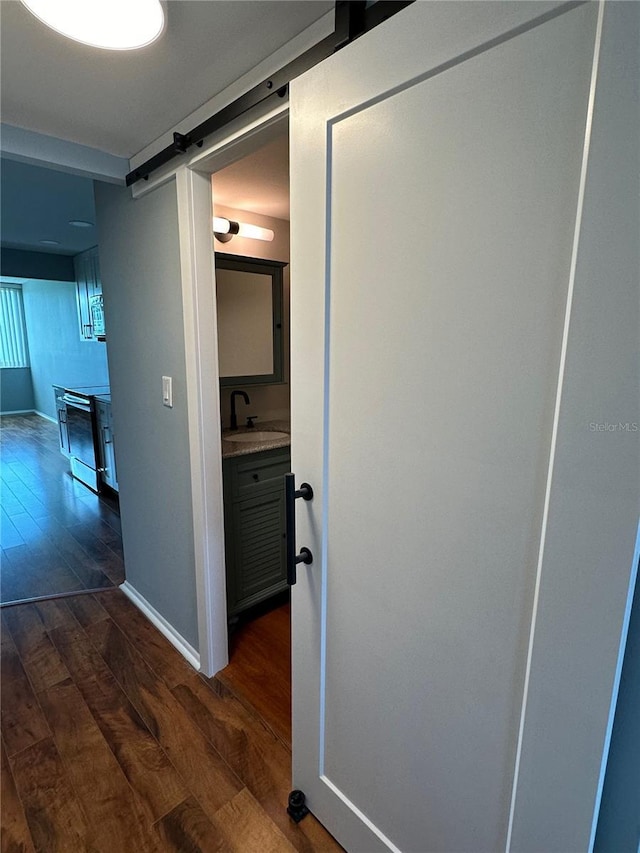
(14,351)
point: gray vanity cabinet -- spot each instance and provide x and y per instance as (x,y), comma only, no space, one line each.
(254,527)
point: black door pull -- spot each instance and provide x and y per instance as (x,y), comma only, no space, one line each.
(290,494)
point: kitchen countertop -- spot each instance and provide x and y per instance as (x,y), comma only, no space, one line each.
(87,390)
(232,448)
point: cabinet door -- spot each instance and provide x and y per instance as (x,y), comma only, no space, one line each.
(88,284)
(80,264)
(94,282)
(257,568)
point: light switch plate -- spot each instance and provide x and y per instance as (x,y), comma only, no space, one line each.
(167,391)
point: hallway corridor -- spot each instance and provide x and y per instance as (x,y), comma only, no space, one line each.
(57,536)
(112,742)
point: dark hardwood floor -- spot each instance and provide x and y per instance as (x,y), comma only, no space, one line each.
(259,670)
(112,742)
(57,536)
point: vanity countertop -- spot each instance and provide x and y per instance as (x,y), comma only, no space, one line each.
(233,448)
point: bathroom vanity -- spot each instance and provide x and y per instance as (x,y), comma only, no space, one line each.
(253,476)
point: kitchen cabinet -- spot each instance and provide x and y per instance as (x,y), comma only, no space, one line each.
(254,527)
(61,412)
(105,440)
(89,295)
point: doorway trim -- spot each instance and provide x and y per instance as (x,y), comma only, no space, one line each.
(195,200)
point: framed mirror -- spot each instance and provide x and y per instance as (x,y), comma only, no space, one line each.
(249,300)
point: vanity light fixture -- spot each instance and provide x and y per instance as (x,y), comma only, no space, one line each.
(225,229)
(108,24)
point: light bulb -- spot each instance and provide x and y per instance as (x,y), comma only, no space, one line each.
(242,229)
(220,225)
(109,24)
(255,232)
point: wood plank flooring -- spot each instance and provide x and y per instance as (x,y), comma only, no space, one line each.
(112,742)
(57,536)
(259,670)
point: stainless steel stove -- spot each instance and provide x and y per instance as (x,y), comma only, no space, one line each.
(82,430)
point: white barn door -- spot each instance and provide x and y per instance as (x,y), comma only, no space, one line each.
(438,169)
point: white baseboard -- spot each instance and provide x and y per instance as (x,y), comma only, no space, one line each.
(165,628)
(31,412)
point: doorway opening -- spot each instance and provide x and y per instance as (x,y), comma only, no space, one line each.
(58,537)
(60,525)
(253,286)
(60,528)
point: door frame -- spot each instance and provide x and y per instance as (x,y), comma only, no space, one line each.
(197,265)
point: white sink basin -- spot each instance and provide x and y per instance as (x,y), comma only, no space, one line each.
(256,435)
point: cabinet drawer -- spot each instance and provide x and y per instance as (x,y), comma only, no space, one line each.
(258,474)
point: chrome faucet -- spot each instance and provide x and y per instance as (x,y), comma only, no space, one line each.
(245,396)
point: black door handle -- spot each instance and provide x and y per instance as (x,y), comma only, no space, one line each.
(290,494)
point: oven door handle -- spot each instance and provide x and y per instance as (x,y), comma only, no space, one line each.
(76,404)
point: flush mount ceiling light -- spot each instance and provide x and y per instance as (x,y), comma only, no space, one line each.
(80,223)
(49,242)
(225,229)
(109,24)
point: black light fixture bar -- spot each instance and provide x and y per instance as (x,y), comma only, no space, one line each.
(352,19)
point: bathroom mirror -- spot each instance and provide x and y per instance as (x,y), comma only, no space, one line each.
(249,299)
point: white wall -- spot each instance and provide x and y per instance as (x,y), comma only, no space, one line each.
(16,390)
(58,355)
(140,266)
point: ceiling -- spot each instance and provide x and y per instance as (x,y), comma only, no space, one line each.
(258,183)
(119,102)
(38,204)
